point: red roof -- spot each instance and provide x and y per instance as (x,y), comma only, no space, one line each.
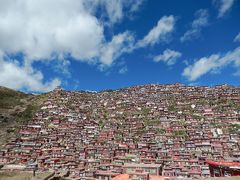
(222,163)
(126,177)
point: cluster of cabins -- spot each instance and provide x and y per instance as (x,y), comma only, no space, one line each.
(143,132)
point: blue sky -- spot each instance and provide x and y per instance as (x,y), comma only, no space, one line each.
(109,44)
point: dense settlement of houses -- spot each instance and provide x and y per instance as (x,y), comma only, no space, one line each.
(141,132)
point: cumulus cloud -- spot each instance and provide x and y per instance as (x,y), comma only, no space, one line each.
(45,30)
(168,56)
(159,32)
(15,76)
(200,21)
(50,30)
(114,10)
(135,5)
(212,63)
(237,38)
(223,6)
(41,28)
(120,43)
(126,43)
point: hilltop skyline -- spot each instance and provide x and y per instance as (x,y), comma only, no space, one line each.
(110,44)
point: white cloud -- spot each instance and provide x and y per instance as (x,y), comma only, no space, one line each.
(237,38)
(223,6)
(50,29)
(135,5)
(199,22)
(114,10)
(41,28)
(16,76)
(169,57)
(159,32)
(120,43)
(125,42)
(213,63)
(47,30)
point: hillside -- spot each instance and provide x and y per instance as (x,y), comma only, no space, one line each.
(16,108)
(158,130)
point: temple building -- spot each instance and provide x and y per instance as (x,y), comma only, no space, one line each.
(223,168)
